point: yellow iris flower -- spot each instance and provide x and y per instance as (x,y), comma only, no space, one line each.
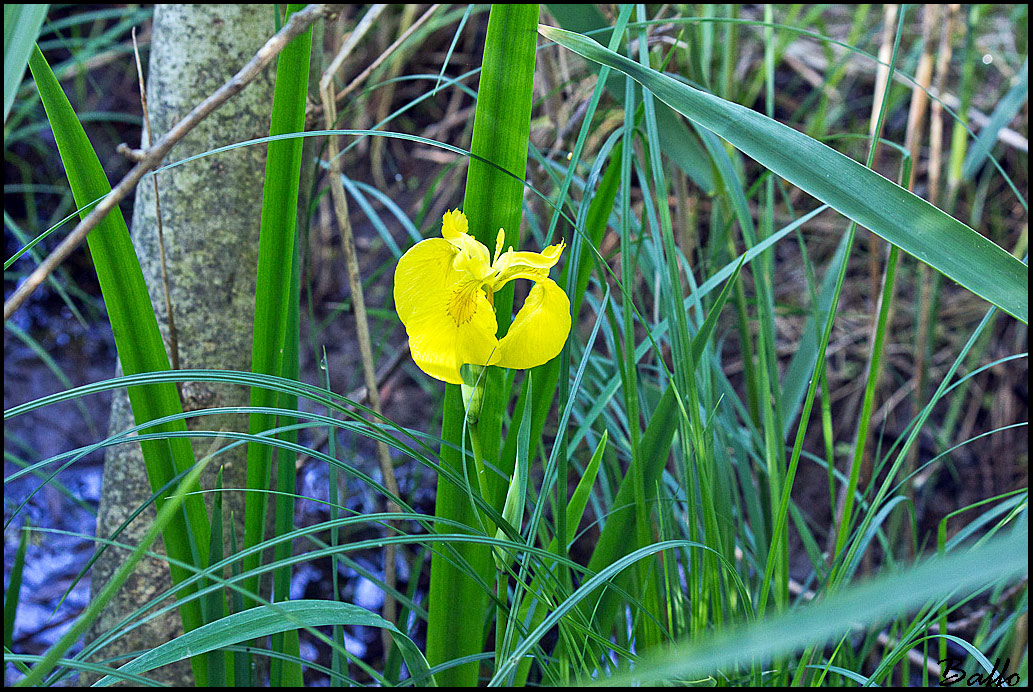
(444,293)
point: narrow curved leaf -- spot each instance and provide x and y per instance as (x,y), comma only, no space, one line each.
(261,622)
(857,192)
(1002,115)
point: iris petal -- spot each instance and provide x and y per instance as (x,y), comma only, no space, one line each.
(539,330)
(444,289)
(447,316)
(471,256)
(454,224)
(525,265)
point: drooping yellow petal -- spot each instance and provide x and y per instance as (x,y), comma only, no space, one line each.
(445,311)
(539,330)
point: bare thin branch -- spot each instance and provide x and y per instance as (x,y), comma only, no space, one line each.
(153,156)
(387,53)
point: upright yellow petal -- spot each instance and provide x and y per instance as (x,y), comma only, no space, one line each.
(454,224)
(539,330)
(500,241)
(471,256)
(446,313)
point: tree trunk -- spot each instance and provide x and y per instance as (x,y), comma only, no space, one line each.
(210,210)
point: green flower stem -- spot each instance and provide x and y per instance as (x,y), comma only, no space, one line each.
(478,464)
(502,634)
(458,606)
(472,389)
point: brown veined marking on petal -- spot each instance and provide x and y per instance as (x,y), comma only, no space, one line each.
(463,303)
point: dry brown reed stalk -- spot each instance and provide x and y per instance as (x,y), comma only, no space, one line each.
(340,201)
(920,91)
(943,58)
(384,98)
(889,27)
(925,319)
(355,83)
(173,336)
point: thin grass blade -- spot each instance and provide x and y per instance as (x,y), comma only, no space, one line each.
(14,586)
(1001,116)
(261,622)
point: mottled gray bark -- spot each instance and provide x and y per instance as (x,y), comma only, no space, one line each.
(210,209)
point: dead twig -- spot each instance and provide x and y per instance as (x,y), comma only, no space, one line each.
(173,336)
(297,24)
(340,202)
(354,84)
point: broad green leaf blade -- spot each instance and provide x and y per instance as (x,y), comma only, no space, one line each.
(261,622)
(494,181)
(273,293)
(21,28)
(137,339)
(289,112)
(885,208)
(457,604)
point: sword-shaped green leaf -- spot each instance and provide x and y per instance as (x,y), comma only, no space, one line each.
(857,192)
(21,28)
(458,605)
(137,339)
